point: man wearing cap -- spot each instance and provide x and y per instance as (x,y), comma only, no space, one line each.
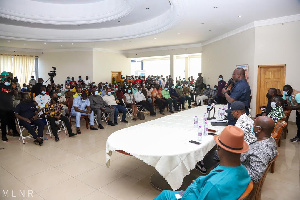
(227,181)
(262,151)
(240,92)
(243,121)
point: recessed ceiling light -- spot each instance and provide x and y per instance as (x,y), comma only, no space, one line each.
(61,45)
(215,7)
(178,33)
(24,44)
(239,16)
(155,38)
(147,8)
(119,21)
(202,23)
(72,43)
(8,41)
(45,43)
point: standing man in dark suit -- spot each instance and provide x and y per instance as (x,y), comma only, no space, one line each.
(240,92)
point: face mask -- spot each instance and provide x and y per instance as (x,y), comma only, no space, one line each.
(140,91)
(129,91)
(252,131)
(83,100)
(166,89)
(186,85)
(273,104)
(220,79)
(43,92)
(172,87)
(59,94)
(109,93)
(79,93)
(285,93)
(215,88)
(96,93)
(7,83)
(25,88)
(207,87)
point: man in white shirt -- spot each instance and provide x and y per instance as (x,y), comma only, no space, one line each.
(42,99)
(243,121)
(110,100)
(140,99)
(87,81)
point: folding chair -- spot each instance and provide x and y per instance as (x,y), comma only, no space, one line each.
(70,104)
(278,129)
(21,129)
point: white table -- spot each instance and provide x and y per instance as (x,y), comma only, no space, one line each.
(164,144)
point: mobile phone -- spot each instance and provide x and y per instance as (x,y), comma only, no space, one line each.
(195,142)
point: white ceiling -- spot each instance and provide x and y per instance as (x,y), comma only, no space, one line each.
(131,24)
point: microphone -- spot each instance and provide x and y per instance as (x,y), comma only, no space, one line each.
(210,106)
(230,82)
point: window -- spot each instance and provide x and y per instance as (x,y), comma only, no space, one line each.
(157,66)
(20,66)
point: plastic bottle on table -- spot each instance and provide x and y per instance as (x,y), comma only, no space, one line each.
(219,113)
(205,129)
(195,122)
(200,133)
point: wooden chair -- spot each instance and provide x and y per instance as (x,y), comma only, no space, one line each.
(247,191)
(70,104)
(256,192)
(277,131)
(287,114)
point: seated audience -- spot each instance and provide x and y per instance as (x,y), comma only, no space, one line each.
(186,92)
(27,113)
(42,99)
(98,105)
(207,93)
(54,112)
(110,100)
(272,92)
(277,111)
(262,151)
(158,99)
(140,99)
(166,95)
(78,92)
(25,88)
(175,95)
(130,102)
(243,121)
(81,106)
(227,181)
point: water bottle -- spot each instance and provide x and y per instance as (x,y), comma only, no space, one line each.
(205,118)
(200,133)
(196,122)
(205,129)
(219,113)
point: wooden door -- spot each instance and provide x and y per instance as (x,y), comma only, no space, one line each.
(268,76)
(116,75)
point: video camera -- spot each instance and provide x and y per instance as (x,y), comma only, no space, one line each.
(53,72)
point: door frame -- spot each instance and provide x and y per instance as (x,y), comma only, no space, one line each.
(111,77)
(259,80)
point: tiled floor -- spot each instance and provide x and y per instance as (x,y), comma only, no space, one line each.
(74,168)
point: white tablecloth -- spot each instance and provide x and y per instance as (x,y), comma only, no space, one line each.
(164,144)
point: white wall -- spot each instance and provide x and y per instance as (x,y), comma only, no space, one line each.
(73,64)
(104,63)
(280,44)
(221,57)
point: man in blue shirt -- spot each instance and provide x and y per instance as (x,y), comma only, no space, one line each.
(81,106)
(240,92)
(227,181)
(292,98)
